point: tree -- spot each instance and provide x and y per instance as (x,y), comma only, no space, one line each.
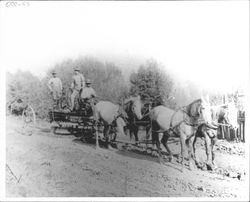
(107,78)
(27,87)
(152,83)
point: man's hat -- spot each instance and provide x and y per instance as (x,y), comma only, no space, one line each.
(88,81)
(77,69)
(53,72)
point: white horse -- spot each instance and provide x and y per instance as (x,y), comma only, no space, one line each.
(182,123)
(112,116)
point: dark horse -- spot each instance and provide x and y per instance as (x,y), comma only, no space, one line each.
(209,134)
(137,119)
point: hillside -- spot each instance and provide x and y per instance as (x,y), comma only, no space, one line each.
(49,165)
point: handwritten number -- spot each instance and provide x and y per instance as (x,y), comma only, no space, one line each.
(15,4)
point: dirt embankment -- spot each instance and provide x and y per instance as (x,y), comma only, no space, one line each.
(48,165)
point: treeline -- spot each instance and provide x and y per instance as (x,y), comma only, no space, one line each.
(151,81)
(107,78)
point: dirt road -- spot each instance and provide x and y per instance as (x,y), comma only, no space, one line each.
(48,165)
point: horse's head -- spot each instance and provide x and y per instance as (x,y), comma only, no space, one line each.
(200,110)
(196,108)
(206,115)
(136,106)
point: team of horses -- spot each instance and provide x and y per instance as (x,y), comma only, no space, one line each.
(196,120)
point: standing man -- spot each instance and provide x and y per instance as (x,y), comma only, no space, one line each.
(76,86)
(55,87)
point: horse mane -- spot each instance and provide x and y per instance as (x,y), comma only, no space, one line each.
(191,111)
(128,108)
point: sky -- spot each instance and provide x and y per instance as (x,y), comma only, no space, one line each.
(203,42)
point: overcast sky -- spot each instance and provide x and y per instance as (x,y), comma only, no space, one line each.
(205,42)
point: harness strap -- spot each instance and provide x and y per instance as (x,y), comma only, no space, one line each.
(119,115)
(211,136)
(162,131)
(188,117)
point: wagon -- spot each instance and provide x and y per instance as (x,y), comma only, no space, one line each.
(81,122)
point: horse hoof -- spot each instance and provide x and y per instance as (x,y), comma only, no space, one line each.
(192,166)
(154,153)
(161,161)
(209,166)
(170,158)
(111,148)
(214,165)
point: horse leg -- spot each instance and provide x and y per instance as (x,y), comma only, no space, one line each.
(136,129)
(153,140)
(194,155)
(114,138)
(208,147)
(213,141)
(189,143)
(131,130)
(182,140)
(164,141)
(157,141)
(106,135)
(148,131)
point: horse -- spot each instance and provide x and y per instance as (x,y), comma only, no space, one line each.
(182,123)
(225,114)
(209,134)
(134,109)
(112,116)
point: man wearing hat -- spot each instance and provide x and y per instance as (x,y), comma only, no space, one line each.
(55,87)
(88,92)
(77,84)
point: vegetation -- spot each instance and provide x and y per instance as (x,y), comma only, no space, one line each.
(107,81)
(151,81)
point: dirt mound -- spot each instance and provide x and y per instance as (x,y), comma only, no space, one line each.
(231,148)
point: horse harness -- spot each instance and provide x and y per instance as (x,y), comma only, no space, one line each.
(134,122)
(186,120)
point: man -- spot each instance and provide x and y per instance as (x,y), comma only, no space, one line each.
(86,98)
(55,87)
(88,92)
(76,86)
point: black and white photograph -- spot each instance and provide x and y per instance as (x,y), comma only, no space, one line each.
(124,100)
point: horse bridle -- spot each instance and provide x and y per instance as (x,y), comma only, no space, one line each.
(190,123)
